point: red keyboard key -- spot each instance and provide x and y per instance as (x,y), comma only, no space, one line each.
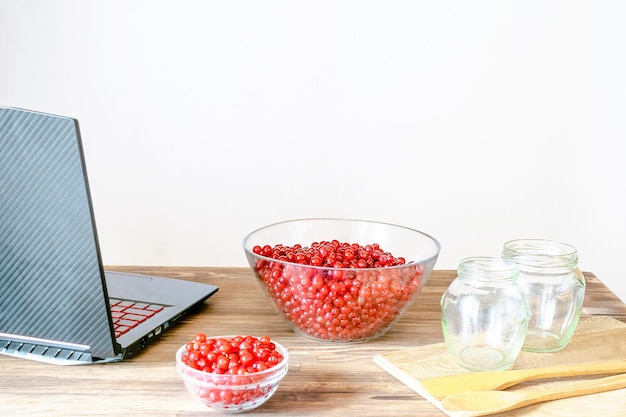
(133,310)
(128,314)
(134,317)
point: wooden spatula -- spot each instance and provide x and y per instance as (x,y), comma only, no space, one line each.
(481,403)
(443,386)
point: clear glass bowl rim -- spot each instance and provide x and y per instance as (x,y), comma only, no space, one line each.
(266,377)
(411,263)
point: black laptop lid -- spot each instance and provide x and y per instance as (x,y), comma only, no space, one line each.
(51,278)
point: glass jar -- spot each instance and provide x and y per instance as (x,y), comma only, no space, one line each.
(555,290)
(484,314)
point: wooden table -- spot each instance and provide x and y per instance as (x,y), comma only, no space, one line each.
(324,379)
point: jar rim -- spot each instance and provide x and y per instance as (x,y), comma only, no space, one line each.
(486,268)
(543,253)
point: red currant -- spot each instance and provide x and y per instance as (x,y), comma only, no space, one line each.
(238,355)
(338,290)
(234,353)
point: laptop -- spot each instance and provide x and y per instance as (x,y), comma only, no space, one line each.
(57,304)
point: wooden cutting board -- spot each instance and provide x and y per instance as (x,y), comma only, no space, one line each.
(596,339)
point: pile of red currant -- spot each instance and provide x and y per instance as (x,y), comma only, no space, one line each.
(231,373)
(332,254)
(338,291)
(236,355)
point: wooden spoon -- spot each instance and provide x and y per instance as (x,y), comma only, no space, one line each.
(481,403)
(443,386)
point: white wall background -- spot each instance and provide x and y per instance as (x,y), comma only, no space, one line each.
(476,122)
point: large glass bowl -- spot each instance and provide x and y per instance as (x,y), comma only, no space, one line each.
(342,304)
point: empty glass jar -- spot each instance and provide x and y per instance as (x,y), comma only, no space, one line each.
(554,287)
(484,314)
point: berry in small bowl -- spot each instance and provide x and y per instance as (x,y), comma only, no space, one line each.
(340,280)
(232,374)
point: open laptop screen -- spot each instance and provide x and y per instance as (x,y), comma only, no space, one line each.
(51,282)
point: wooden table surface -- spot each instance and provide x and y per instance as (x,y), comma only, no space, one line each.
(324,379)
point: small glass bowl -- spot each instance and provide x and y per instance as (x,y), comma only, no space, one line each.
(233,393)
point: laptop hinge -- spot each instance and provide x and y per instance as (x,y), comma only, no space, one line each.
(42,350)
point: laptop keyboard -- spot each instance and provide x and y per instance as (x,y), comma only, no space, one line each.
(128,314)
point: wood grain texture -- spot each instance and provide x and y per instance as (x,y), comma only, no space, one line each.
(482,403)
(324,379)
(596,339)
(443,386)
